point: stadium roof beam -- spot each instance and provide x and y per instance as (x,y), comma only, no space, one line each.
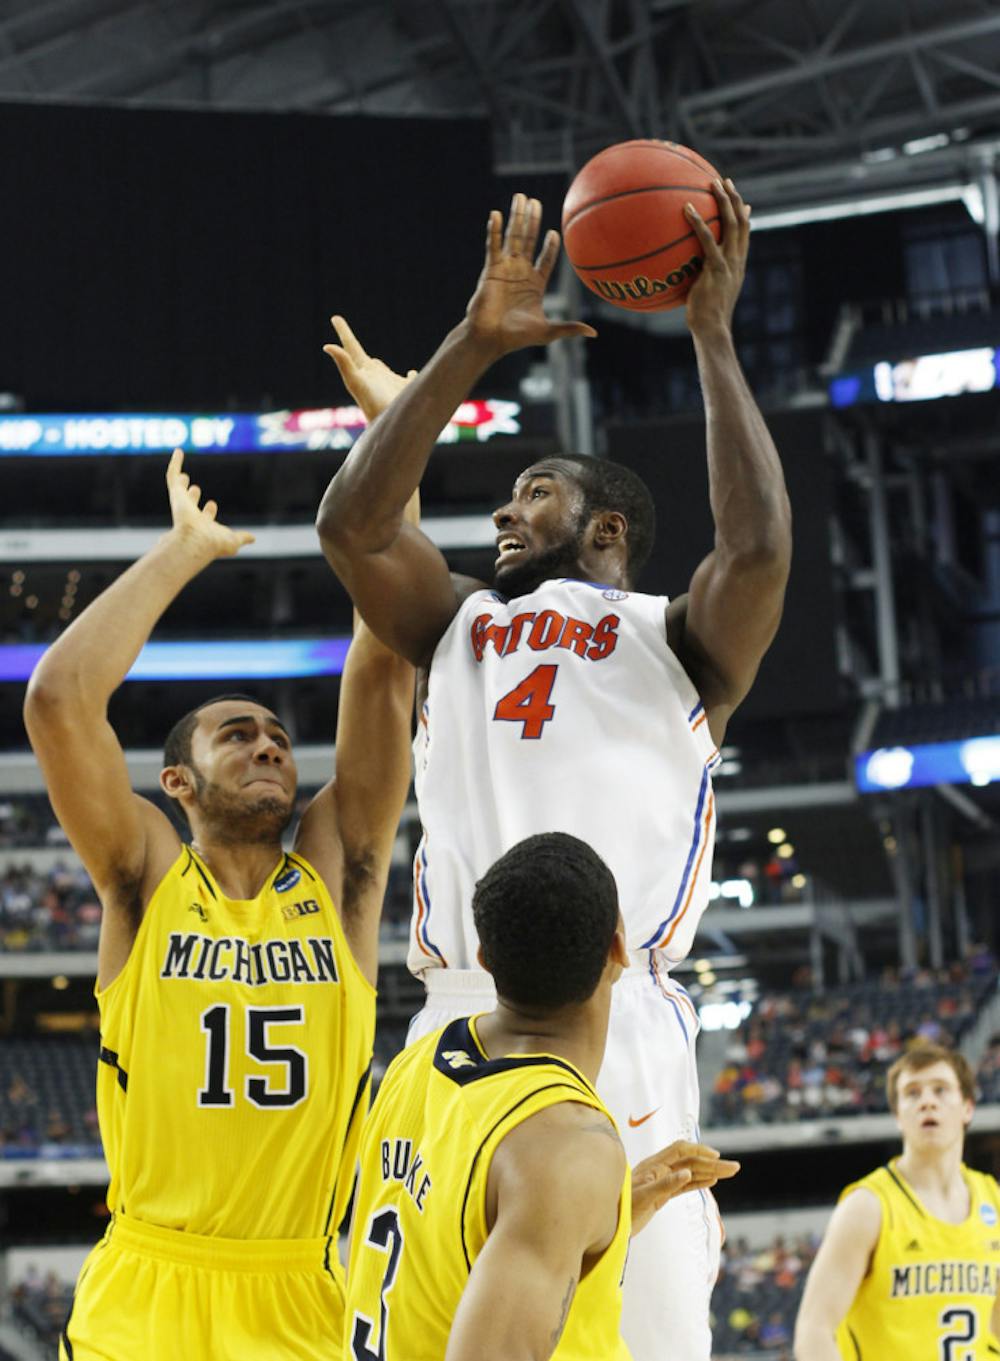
(280,19)
(822,63)
(581,14)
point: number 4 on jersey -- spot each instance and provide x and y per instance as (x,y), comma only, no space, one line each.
(528,703)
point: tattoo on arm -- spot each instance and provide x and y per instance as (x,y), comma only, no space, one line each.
(564,1311)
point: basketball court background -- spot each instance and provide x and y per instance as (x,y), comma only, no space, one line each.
(188,192)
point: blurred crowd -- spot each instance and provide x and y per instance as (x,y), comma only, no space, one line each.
(47,1099)
(53,909)
(40,1306)
(757,1296)
(808,1054)
(56,908)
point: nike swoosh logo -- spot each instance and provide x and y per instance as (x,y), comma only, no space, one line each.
(642,1118)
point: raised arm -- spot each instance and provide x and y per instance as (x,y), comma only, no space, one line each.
(721,629)
(396,577)
(349,828)
(542,1231)
(124,841)
(836,1275)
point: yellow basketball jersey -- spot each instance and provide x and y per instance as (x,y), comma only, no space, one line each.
(420,1213)
(236,1047)
(929,1293)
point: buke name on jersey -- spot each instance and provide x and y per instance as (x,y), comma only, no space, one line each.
(402,1162)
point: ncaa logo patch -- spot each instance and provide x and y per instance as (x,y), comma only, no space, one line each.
(987,1213)
(287,880)
(614,595)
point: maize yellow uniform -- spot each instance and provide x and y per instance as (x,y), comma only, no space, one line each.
(420,1212)
(929,1293)
(235,1056)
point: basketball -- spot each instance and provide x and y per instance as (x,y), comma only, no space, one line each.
(624,227)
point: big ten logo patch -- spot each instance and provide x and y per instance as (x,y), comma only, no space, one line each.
(307,908)
(544,630)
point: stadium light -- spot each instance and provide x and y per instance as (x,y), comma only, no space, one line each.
(971,195)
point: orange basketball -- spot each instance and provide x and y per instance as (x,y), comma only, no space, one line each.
(624,227)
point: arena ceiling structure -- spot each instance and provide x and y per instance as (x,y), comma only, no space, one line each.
(806,102)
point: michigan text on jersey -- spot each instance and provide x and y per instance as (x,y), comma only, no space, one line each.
(944,1278)
(204,959)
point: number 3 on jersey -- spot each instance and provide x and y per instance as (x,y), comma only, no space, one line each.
(528,703)
(384,1234)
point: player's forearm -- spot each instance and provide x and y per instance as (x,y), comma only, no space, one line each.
(499,1334)
(87,663)
(815,1342)
(364,506)
(746,483)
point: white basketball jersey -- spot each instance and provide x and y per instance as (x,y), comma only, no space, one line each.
(562,711)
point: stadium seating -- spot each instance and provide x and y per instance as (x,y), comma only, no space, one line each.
(757,1297)
(47,1096)
(807,1054)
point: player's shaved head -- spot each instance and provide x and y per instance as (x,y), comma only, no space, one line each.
(546,913)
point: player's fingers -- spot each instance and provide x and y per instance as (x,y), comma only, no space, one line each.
(727,211)
(740,229)
(565,330)
(532,226)
(345,364)
(548,255)
(348,339)
(410,373)
(515,225)
(245,537)
(174,466)
(210,509)
(720,1169)
(195,494)
(703,232)
(494,232)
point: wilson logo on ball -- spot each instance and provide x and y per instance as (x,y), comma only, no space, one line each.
(642,287)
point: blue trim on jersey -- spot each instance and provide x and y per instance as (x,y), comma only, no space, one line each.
(695,711)
(667,998)
(422,889)
(696,842)
(684,993)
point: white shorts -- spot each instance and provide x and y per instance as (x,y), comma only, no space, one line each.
(649,1082)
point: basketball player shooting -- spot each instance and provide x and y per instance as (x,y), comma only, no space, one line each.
(559,698)
(235,982)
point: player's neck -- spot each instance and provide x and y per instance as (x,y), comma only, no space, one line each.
(934,1170)
(577,1034)
(606,569)
(240,870)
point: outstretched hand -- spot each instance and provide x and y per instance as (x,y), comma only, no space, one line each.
(681,1166)
(197,524)
(371,383)
(713,296)
(506,311)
